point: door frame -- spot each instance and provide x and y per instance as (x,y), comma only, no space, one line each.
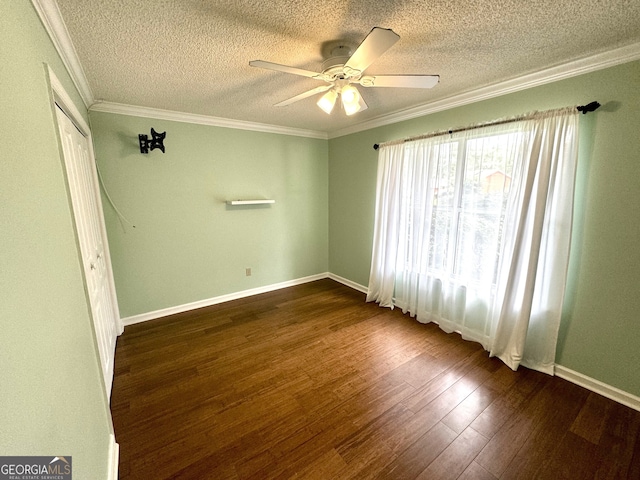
(61,98)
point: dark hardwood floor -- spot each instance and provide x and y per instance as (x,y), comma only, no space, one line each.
(312,382)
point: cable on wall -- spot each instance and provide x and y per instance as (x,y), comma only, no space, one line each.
(121,217)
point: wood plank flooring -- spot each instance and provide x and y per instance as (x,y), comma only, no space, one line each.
(310,382)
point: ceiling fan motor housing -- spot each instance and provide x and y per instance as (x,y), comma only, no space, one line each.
(345,65)
(333,66)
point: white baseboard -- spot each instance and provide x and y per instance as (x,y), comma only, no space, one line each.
(114,458)
(144,317)
(598,387)
(349,283)
(572,376)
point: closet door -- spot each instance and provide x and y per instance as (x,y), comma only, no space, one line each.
(87,209)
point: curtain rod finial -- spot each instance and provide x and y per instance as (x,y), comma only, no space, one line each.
(376,146)
(589,107)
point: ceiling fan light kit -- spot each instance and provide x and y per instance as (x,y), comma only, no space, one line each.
(342,70)
(328,101)
(352,101)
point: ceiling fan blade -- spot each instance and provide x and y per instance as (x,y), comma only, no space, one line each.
(373,46)
(402,81)
(363,104)
(286,69)
(309,93)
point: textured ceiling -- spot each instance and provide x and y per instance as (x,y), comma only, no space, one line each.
(193,55)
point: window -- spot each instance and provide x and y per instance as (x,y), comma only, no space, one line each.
(464,208)
(473,181)
(473,230)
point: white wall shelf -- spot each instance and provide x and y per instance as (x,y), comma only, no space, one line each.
(249,202)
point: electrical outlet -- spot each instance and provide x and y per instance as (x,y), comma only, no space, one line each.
(247,272)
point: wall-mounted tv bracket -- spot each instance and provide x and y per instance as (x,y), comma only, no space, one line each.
(156,141)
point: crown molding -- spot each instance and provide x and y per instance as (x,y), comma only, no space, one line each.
(156,113)
(574,68)
(51,18)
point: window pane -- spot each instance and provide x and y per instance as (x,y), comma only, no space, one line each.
(486,184)
(458,216)
(478,242)
(443,207)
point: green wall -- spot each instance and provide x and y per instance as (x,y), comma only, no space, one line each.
(599,333)
(187,244)
(51,394)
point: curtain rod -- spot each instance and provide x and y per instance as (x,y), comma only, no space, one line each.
(590,107)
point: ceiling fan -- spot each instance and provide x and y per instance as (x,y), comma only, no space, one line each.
(344,69)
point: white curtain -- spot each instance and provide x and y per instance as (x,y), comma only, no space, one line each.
(472,231)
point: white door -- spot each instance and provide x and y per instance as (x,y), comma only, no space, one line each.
(87,209)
